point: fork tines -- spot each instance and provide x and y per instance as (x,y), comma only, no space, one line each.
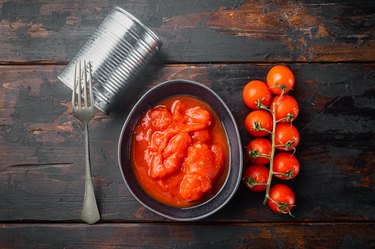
(82,83)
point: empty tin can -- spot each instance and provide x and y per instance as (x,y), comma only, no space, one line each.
(118,51)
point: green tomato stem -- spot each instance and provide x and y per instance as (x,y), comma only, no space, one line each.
(274,122)
(272,156)
(255,154)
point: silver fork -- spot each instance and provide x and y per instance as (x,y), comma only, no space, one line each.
(85,112)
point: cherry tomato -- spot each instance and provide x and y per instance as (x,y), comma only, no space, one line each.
(280,77)
(256,177)
(285,166)
(259,151)
(281,199)
(286,108)
(254,92)
(286,137)
(259,123)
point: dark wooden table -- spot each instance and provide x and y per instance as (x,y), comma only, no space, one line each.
(330,46)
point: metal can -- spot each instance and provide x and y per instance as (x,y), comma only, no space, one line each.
(118,51)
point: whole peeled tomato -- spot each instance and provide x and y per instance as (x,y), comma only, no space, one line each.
(259,123)
(259,151)
(256,177)
(285,166)
(286,108)
(278,78)
(286,136)
(256,92)
(281,199)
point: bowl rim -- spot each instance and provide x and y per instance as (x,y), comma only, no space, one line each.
(237,178)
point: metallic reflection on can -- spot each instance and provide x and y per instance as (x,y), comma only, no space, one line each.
(118,51)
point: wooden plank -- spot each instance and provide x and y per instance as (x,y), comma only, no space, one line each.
(197,31)
(185,235)
(41,145)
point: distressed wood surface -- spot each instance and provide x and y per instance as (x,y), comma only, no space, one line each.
(218,236)
(41,169)
(197,31)
(223,44)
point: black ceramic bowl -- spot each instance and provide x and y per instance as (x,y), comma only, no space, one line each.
(230,185)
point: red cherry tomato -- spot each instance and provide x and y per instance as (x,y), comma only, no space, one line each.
(259,123)
(280,77)
(285,166)
(256,177)
(286,108)
(259,151)
(254,92)
(281,199)
(286,137)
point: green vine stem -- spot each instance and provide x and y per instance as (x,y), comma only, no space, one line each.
(255,154)
(274,122)
(288,174)
(258,127)
(282,207)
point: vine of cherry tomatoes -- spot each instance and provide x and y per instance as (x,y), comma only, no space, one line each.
(275,138)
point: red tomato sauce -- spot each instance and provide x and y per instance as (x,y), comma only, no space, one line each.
(180,151)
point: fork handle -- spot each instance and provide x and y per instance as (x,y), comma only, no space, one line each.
(90,212)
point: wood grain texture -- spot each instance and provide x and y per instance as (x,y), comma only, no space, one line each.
(242,235)
(41,164)
(197,31)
